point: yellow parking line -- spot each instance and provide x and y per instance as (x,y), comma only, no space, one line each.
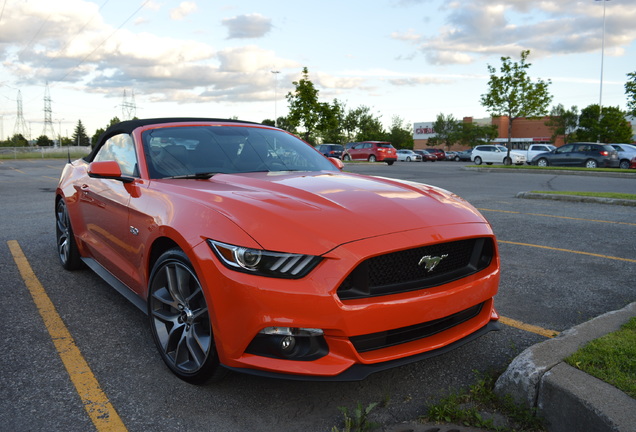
(559,217)
(97,405)
(528,327)
(569,250)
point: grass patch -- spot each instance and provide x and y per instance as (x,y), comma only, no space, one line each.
(611,358)
(480,407)
(614,195)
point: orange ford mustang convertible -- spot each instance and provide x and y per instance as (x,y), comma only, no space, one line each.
(217,230)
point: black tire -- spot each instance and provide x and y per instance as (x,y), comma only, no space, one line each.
(346,158)
(507,161)
(591,163)
(624,164)
(389,163)
(408,159)
(180,320)
(543,162)
(477,160)
(372,158)
(456,158)
(65,240)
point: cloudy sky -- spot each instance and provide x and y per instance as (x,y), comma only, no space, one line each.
(214,58)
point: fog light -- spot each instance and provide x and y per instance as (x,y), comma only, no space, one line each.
(287,344)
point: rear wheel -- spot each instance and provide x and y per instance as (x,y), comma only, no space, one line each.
(456,158)
(65,240)
(389,163)
(180,320)
(477,160)
(591,163)
(372,158)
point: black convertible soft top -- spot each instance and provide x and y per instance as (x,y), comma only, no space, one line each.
(130,125)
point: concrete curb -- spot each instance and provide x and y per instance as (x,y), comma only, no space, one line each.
(568,399)
(577,198)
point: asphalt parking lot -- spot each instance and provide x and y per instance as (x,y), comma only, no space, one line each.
(563,263)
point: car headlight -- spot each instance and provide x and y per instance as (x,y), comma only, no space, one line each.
(262,262)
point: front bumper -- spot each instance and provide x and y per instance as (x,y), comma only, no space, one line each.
(242,305)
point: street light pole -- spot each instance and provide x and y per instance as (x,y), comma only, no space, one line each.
(600,98)
(275,72)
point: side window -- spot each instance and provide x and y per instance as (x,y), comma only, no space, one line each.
(120,148)
(565,149)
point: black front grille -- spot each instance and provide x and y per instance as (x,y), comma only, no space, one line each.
(389,338)
(410,269)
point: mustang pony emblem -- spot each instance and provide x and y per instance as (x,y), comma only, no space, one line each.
(431,262)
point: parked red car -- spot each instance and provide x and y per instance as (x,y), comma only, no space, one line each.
(372,151)
(441,155)
(214,229)
(426,155)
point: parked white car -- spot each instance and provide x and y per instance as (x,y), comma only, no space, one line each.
(490,154)
(626,152)
(536,149)
(408,156)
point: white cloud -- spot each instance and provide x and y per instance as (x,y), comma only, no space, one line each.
(183,10)
(247,26)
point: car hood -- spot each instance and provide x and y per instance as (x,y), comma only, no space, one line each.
(315,212)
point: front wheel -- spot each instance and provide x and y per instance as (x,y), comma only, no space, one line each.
(507,161)
(65,240)
(543,162)
(372,158)
(456,158)
(346,158)
(180,320)
(591,163)
(624,164)
(477,160)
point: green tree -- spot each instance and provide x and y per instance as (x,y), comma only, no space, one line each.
(630,91)
(514,94)
(44,141)
(610,127)
(16,140)
(400,134)
(79,136)
(563,122)
(304,109)
(471,134)
(330,123)
(446,131)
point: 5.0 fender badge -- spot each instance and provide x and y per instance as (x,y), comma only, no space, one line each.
(431,262)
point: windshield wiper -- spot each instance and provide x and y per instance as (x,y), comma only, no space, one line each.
(198,176)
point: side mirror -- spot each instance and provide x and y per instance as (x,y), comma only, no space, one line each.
(107,170)
(337,162)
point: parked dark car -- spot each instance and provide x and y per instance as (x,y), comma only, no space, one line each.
(589,155)
(463,155)
(441,155)
(331,150)
(426,156)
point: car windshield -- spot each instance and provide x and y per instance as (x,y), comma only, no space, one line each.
(197,151)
